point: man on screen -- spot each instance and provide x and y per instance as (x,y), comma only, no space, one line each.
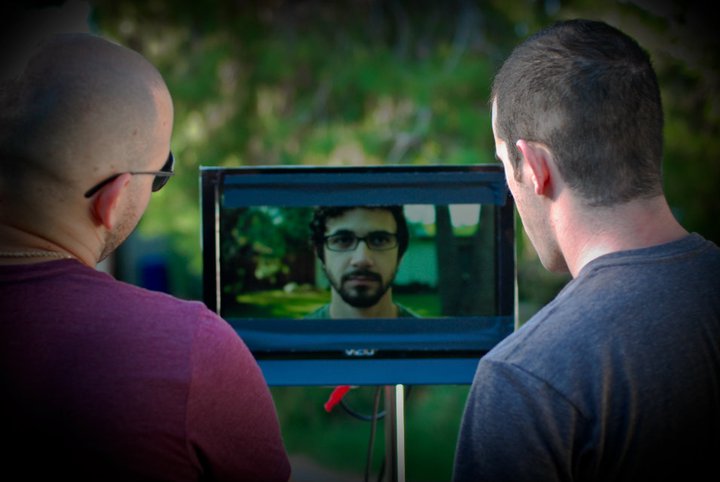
(360,248)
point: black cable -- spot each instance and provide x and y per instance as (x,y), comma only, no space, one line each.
(373,425)
(368,418)
(373,418)
(381,474)
(361,416)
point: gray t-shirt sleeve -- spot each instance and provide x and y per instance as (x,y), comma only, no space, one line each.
(516,428)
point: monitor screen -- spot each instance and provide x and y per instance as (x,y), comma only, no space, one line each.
(450,269)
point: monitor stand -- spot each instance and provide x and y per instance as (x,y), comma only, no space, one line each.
(395,432)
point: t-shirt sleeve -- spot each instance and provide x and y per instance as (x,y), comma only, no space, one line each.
(232,425)
(515,427)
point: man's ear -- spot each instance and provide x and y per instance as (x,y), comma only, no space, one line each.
(537,158)
(106,201)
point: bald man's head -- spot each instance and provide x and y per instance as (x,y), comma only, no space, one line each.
(82,108)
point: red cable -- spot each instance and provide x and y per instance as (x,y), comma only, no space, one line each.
(336,396)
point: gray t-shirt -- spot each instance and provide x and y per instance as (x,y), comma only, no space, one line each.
(617,379)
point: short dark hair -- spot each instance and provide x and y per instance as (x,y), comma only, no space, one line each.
(589,93)
(321,214)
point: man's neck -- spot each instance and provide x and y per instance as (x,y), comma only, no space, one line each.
(589,233)
(14,239)
(385,308)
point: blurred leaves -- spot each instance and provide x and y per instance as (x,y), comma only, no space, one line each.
(365,82)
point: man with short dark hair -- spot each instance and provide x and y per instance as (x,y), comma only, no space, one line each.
(360,248)
(618,378)
(102,380)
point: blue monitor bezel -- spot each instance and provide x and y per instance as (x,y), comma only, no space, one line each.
(311,352)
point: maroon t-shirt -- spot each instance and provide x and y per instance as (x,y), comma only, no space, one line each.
(102,380)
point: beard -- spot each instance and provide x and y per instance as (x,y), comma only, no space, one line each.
(360,296)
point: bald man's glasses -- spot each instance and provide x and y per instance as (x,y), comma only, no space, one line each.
(161,177)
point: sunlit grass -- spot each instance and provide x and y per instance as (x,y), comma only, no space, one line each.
(296,304)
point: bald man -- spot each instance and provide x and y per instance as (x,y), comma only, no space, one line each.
(102,380)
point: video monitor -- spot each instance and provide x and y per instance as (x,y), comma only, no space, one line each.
(456,278)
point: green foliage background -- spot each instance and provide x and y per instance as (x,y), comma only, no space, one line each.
(366,82)
(388,82)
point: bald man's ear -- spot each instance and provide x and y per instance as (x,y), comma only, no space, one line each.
(537,158)
(107,199)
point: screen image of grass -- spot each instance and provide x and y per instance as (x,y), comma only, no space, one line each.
(281,304)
